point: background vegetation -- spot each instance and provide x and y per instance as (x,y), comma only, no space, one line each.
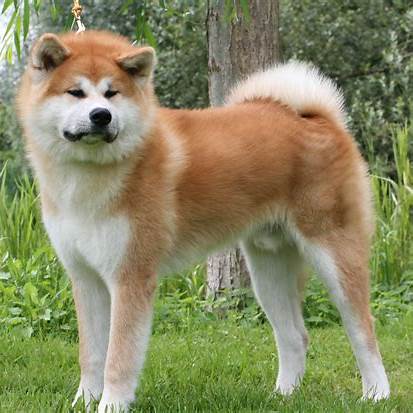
(366,46)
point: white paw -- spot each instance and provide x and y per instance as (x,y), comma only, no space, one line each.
(286,384)
(377,393)
(110,404)
(285,389)
(85,396)
(376,388)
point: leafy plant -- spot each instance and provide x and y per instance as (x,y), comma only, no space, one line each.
(34,293)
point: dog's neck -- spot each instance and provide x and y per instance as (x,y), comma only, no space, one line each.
(79,188)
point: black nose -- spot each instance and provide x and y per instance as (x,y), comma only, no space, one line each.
(100,116)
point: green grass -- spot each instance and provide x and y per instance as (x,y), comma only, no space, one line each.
(217,366)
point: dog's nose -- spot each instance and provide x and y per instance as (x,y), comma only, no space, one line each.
(100,117)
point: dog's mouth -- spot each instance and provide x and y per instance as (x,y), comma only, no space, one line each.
(91,137)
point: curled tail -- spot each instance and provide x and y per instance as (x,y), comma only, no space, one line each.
(298,85)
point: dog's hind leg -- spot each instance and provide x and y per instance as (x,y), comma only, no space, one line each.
(342,262)
(277,278)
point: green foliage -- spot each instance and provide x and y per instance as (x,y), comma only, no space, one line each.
(34,293)
(21,11)
(236,10)
(181,77)
(394,198)
(11,150)
(18,25)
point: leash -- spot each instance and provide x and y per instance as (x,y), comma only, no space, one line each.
(77,13)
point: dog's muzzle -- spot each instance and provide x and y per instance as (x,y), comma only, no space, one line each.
(100,119)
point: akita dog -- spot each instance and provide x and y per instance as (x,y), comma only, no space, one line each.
(130,190)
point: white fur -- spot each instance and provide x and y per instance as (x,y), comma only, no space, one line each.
(49,119)
(98,244)
(91,243)
(375,382)
(93,302)
(298,85)
(275,263)
(91,249)
(275,267)
(112,403)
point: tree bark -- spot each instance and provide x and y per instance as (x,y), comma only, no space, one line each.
(237,47)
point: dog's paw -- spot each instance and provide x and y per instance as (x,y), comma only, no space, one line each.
(376,389)
(85,398)
(82,398)
(110,404)
(286,387)
(376,394)
(285,390)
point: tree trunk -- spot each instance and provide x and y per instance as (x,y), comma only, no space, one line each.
(236,48)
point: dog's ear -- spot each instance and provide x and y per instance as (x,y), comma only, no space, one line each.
(48,52)
(139,63)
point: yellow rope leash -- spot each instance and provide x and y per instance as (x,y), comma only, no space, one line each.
(77,13)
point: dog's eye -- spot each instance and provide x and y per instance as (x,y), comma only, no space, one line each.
(77,93)
(110,93)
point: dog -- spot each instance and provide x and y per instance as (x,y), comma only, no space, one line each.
(130,190)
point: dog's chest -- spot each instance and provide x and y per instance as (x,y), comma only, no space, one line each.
(85,235)
(83,243)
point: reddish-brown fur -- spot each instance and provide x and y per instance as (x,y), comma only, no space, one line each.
(239,166)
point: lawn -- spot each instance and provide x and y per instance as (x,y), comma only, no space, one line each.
(213,366)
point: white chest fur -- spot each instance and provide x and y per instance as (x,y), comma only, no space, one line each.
(85,235)
(85,244)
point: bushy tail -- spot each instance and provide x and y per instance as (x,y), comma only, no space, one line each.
(298,85)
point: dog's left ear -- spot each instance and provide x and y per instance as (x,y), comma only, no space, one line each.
(48,52)
(139,64)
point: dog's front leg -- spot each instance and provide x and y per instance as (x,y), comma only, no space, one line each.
(131,317)
(93,313)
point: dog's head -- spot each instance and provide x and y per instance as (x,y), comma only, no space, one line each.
(87,97)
